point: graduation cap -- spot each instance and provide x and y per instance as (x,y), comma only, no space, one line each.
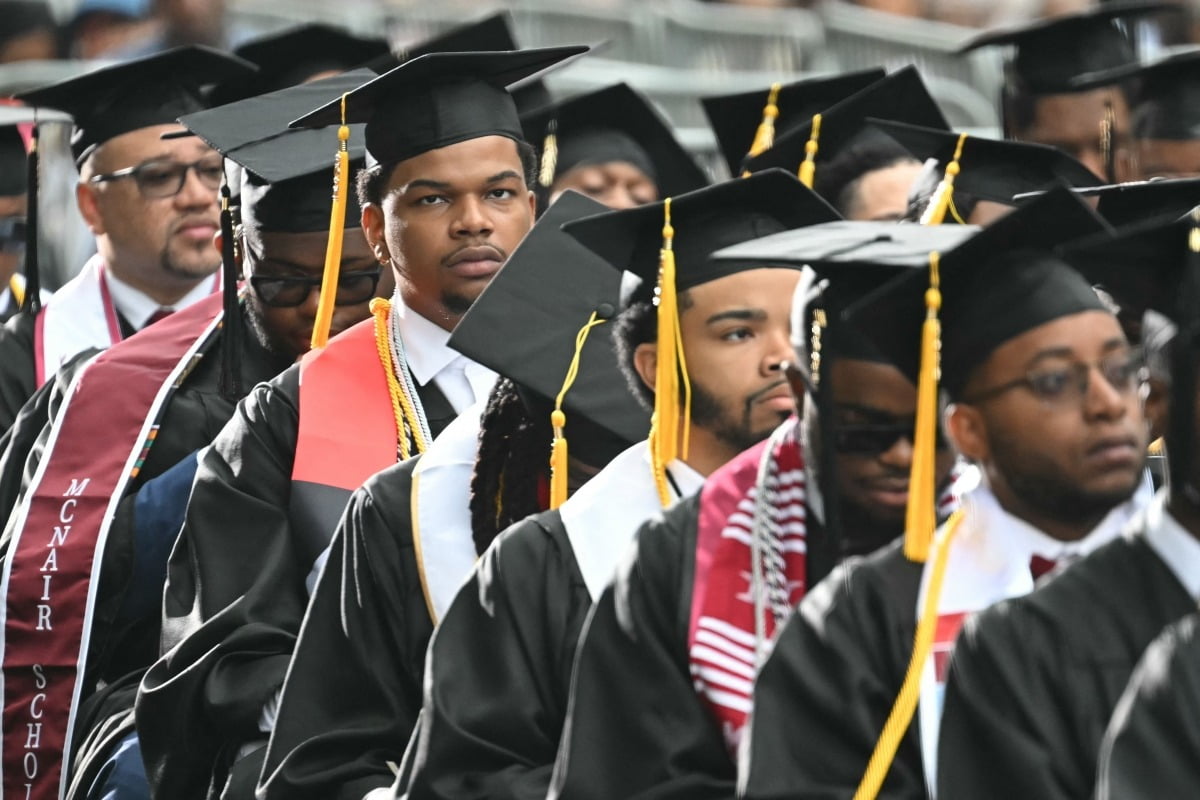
(154,90)
(1123,204)
(531,325)
(668,244)
(1168,104)
(293,55)
(1050,53)
(615,123)
(745,127)
(990,169)
(901,96)
(438,100)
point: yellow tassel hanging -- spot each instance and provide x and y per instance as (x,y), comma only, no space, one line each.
(935,212)
(921,514)
(337,227)
(764,137)
(558,419)
(17,289)
(668,437)
(808,169)
(549,155)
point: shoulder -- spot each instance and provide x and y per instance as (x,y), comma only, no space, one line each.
(882,582)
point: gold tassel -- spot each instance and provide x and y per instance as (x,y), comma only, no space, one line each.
(18,290)
(764,136)
(814,351)
(668,437)
(558,419)
(549,155)
(935,212)
(808,169)
(337,227)
(921,514)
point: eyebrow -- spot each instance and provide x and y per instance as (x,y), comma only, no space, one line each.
(1066,352)
(442,186)
(746,314)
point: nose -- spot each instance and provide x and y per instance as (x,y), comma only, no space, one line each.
(619,198)
(900,455)
(193,193)
(1102,400)
(473,218)
(308,308)
(1091,158)
(779,352)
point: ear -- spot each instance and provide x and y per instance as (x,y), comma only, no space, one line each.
(645,361)
(85,197)
(372,227)
(1157,407)
(533,203)
(967,430)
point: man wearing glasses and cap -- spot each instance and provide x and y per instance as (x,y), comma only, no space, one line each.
(151,203)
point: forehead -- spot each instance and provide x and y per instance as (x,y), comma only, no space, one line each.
(1084,336)
(463,162)
(769,289)
(133,147)
(872,384)
(1069,117)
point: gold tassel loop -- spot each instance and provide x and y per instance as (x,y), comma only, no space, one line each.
(921,514)
(808,169)
(943,196)
(549,155)
(764,136)
(337,228)
(669,427)
(558,419)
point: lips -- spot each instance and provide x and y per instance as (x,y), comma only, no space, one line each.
(778,398)
(892,492)
(196,229)
(1114,452)
(476,262)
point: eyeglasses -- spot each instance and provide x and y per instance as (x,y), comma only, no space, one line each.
(1067,383)
(874,440)
(12,235)
(166,178)
(290,291)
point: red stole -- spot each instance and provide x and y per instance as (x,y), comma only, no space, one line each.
(95,448)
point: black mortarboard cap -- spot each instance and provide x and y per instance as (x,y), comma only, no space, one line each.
(705,221)
(1168,97)
(154,90)
(1123,204)
(734,118)
(291,56)
(438,100)
(995,285)
(901,96)
(287,173)
(992,169)
(1050,53)
(524,327)
(615,123)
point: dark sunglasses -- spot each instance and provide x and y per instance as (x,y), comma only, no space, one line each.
(290,291)
(12,235)
(874,440)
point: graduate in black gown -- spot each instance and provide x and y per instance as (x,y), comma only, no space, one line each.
(499,665)
(823,695)
(1033,681)
(412,534)
(240,576)
(1152,747)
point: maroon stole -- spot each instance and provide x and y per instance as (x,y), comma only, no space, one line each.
(721,633)
(346,433)
(96,447)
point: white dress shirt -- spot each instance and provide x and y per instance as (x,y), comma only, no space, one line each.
(461,380)
(136,307)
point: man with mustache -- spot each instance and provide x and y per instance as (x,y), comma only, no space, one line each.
(498,668)
(151,203)
(445,199)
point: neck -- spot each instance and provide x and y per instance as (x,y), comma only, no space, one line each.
(435,312)
(1184,506)
(164,289)
(706,452)
(1056,528)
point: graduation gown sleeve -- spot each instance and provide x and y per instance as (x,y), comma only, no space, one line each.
(823,695)
(17,376)
(636,727)
(1152,748)
(233,601)
(498,671)
(1033,681)
(354,687)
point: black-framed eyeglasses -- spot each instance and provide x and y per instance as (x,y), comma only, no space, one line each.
(165,178)
(874,439)
(12,235)
(289,291)
(1067,383)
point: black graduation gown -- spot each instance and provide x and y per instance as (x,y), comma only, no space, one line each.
(354,688)
(235,596)
(1033,681)
(636,727)
(491,721)
(17,371)
(1152,748)
(821,698)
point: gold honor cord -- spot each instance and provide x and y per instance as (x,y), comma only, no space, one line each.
(669,438)
(808,169)
(337,227)
(905,706)
(921,512)
(18,291)
(943,196)
(558,419)
(402,408)
(764,137)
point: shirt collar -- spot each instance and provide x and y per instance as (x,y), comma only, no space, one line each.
(424,344)
(1178,549)
(137,307)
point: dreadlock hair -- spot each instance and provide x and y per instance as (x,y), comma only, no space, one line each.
(513,460)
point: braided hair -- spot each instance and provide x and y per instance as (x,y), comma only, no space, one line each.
(512,462)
